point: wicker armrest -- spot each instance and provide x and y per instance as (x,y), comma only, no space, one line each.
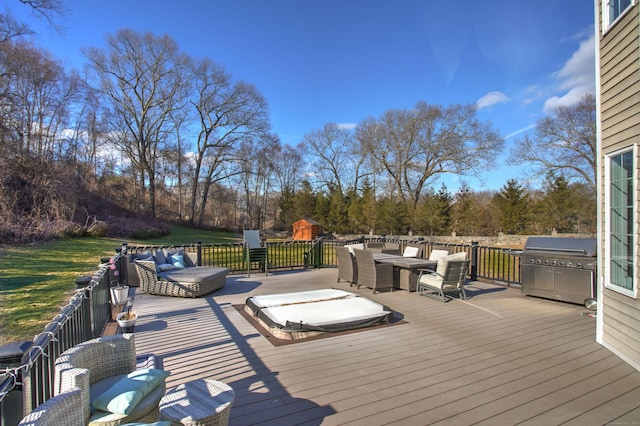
(65,408)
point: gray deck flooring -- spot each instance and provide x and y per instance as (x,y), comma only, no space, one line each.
(498,358)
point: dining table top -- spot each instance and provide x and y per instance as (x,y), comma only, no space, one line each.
(403,262)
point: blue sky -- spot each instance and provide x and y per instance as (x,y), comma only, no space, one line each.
(329,61)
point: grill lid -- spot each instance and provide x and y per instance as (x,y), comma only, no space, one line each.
(583,247)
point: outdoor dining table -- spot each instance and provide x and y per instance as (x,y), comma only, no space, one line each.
(406,269)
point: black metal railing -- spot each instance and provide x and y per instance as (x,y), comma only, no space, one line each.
(25,387)
(89,310)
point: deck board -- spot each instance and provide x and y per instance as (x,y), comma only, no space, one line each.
(497,358)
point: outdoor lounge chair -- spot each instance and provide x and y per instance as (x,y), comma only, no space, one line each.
(101,365)
(347,267)
(255,252)
(190,281)
(449,277)
(374,275)
(63,409)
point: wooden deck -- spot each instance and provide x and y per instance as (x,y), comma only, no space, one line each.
(498,358)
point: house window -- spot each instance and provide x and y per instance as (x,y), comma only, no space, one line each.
(613,9)
(621,220)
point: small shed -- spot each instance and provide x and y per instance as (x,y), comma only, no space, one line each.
(305,230)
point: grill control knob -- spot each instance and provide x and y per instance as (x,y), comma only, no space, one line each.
(561,263)
(579,265)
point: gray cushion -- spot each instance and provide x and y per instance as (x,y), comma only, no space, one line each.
(195,274)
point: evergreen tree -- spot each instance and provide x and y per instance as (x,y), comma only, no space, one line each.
(559,208)
(464,212)
(514,205)
(304,202)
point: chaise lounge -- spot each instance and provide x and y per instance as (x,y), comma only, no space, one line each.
(173,273)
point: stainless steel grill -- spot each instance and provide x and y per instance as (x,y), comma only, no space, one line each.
(559,268)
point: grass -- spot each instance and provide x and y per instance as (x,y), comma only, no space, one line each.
(36,280)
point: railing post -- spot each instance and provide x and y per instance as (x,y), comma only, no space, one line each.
(199,250)
(474,261)
(317,261)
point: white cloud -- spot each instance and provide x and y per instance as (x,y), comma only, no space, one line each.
(577,76)
(346,126)
(490,99)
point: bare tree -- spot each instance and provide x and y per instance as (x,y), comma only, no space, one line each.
(287,167)
(229,113)
(36,100)
(144,79)
(47,10)
(335,162)
(564,143)
(414,146)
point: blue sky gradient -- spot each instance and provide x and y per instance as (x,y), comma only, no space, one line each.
(332,61)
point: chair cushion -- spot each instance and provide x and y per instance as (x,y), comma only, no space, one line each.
(438,254)
(195,274)
(143,411)
(127,392)
(441,268)
(411,251)
(354,246)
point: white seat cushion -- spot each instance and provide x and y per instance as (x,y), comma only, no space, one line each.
(411,251)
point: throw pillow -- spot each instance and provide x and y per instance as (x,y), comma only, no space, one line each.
(166,267)
(143,256)
(160,257)
(170,252)
(178,261)
(126,393)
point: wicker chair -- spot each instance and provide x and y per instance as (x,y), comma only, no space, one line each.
(347,267)
(103,361)
(449,277)
(371,274)
(63,409)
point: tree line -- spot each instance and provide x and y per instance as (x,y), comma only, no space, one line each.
(161,133)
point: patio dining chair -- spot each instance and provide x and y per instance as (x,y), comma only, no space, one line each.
(371,274)
(347,267)
(449,277)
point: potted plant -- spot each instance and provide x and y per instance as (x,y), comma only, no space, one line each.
(127,319)
(119,292)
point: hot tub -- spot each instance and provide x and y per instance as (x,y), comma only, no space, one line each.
(308,313)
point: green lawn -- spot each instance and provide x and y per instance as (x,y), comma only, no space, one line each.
(36,280)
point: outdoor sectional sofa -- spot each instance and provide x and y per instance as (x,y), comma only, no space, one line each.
(173,272)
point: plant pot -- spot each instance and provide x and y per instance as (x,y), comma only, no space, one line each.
(127,320)
(119,295)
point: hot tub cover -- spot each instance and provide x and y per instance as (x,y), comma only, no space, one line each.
(326,310)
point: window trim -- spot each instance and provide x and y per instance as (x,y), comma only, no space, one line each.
(605,14)
(607,220)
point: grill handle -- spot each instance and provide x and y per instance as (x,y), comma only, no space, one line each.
(568,250)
